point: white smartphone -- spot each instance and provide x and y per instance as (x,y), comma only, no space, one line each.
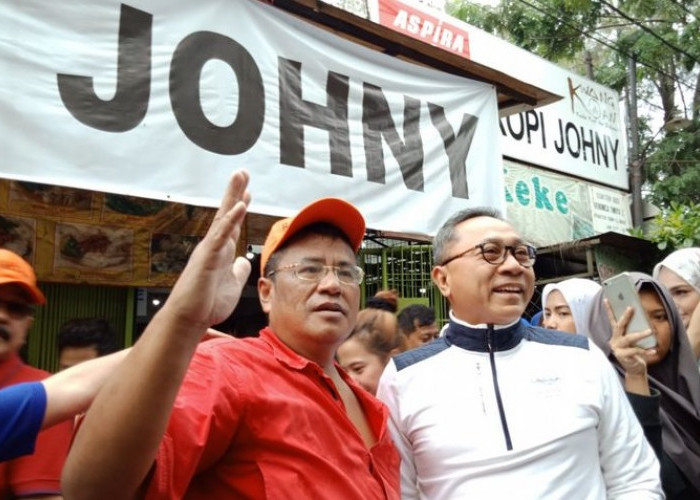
(621,294)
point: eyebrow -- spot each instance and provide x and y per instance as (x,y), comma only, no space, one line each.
(518,241)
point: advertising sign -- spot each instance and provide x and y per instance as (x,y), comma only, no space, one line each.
(550,208)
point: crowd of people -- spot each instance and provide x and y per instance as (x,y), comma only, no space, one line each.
(334,401)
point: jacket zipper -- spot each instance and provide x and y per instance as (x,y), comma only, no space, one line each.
(494,376)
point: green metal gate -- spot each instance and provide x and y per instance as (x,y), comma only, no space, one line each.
(405,267)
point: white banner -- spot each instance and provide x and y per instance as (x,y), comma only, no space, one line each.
(550,208)
(164,98)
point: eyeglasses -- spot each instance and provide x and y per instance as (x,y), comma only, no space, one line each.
(348,275)
(16,310)
(496,253)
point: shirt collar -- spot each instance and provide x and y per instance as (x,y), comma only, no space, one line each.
(282,352)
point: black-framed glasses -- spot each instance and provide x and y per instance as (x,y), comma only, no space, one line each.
(311,271)
(497,253)
(16,310)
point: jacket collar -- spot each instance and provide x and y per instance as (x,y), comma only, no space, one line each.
(478,338)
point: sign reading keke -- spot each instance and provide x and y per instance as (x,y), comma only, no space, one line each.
(163,99)
(550,208)
(581,135)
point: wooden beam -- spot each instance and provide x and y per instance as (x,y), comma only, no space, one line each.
(514,95)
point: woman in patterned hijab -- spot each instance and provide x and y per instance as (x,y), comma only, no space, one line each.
(680,273)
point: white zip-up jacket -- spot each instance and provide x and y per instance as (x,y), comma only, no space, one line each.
(515,412)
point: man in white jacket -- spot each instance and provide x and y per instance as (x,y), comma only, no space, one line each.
(497,409)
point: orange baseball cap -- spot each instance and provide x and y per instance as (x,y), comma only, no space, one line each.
(333,211)
(15,270)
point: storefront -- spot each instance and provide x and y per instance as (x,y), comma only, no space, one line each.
(121,125)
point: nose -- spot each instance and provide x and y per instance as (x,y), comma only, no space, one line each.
(511,264)
(330,281)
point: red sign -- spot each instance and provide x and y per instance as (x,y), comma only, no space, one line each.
(438,31)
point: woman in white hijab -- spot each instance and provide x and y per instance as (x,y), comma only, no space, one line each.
(679,272)
(566,304)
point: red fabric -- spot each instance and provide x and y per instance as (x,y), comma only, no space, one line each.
(255,420)
(39,473)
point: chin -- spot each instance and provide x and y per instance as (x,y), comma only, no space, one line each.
(508,316)
(332,332)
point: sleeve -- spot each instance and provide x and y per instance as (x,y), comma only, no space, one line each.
(22,409)
(630,467)
(201,426)
(387,392)
(40,472)
(647,410)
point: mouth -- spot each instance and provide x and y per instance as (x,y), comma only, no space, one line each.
(332,307)
(4,333)
(508,289)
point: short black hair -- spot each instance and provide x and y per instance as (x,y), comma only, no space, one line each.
(415,313)
(446,234)
(88,332)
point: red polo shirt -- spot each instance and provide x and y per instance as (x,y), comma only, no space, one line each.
(39,473)
(255,420)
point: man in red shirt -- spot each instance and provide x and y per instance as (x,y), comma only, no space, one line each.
(267,417)
(36,475)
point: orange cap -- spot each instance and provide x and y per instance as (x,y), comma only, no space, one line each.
(15,270)
(333,211)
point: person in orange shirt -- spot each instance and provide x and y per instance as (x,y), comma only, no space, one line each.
(266,417)
(36,475)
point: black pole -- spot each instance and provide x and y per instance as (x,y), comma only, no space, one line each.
(635,163)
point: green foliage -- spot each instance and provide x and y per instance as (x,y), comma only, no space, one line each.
(531,27)
(676,227)
(673,169)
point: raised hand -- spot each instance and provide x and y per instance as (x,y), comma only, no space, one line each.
(633,359)
(210,286)
(114,449)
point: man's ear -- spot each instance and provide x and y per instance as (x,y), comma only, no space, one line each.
(265,290)
(441,279)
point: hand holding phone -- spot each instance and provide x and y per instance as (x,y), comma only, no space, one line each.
(621,294)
